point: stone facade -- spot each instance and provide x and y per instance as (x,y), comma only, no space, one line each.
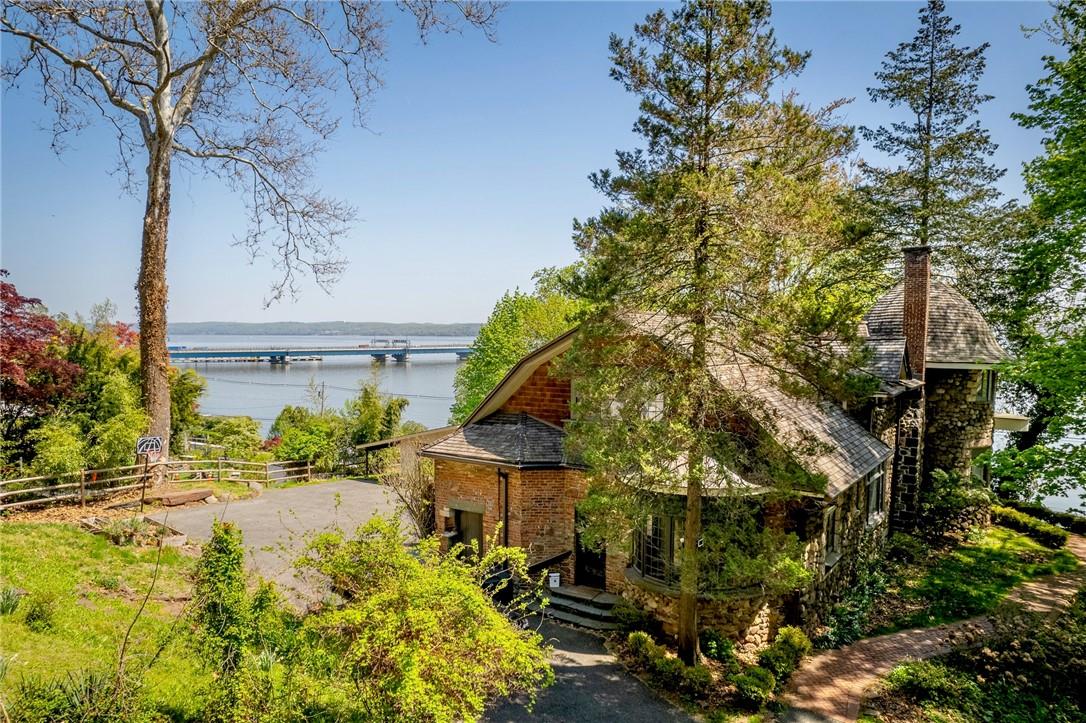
(908,463)
(957,423)
(543,395)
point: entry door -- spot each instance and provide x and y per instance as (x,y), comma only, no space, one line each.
(590,566)
(469,526)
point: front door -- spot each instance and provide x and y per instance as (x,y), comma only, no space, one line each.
(589,567)
(469,528)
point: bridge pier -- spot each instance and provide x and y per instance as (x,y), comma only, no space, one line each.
(379,358)
(401,358)
(462,355)
(281,359)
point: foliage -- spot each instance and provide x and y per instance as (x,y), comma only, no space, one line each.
(372,416)
(119,423)
(666,671)
(926,680)
(1067,520)
(239,436)
(289,418)
(317,440)
(1046,534)
(95,696)
(34,376)
(951,501)
(223,609)
(633,618)
(59,448)
(40,612)
(735,185)
(1041,316)
(755,686)
(905,548)
(785,653)
(186,388)
(417,637)
(847,621)
(715,646)
(518,324)
(9,599)
(942,192)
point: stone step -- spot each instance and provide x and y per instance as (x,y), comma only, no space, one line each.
(587,610)
(574,619)
(586,595)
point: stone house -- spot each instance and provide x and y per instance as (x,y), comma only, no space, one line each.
(933,357)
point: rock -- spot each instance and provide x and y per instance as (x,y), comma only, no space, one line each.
(211,500)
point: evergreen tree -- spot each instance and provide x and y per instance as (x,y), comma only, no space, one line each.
(724,245)
(942,191)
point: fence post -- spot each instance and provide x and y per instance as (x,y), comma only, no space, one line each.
(308,471)
(83,488)
(218,471)
(267,474)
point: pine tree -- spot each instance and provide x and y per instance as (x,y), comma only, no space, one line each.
(942,191)
(724,243)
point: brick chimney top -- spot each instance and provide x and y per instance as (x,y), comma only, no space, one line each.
(915,307)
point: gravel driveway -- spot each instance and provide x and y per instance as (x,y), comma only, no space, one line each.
(590,686)
(275,524)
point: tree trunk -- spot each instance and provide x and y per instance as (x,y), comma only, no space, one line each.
(689,573)
(154,357)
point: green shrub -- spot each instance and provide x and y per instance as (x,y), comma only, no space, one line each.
(783,656)
(924,681)
(9,600)
(1067,520)
(719,648)
(85,695)
(755,686)
(950,502)
(641,647)
(905,548)
(40,612)
(630,617)
(669,672)
(697,681)
(1044,533)
(847,621)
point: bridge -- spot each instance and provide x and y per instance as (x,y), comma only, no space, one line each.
(280,355)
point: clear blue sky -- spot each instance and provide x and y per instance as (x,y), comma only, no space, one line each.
(468,177)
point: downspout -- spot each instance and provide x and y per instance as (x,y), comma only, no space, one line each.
(503,483)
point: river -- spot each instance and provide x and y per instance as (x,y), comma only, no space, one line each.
(260,389)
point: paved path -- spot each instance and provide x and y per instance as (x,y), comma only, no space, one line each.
(830,685)
(590,687)
(274,525)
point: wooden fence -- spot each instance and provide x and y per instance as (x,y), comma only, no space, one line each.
(91,484)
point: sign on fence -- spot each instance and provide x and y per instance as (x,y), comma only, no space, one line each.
(150,446)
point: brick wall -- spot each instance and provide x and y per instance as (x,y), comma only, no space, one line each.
(476,484)
(543,396)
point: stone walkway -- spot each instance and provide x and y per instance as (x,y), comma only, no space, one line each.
(830,685)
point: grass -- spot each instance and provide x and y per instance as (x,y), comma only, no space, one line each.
(95,588)
(968,580)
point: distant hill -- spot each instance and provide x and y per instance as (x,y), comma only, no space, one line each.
(324,328)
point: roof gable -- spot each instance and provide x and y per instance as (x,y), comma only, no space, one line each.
(519,440)
(520,373)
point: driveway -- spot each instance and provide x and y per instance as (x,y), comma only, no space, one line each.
(275,525)
(589,686)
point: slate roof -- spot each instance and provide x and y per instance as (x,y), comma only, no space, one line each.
(519,440)
(957,333)
(821,435)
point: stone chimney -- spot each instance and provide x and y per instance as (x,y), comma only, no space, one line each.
(915,306)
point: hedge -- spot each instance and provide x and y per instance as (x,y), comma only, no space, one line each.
(1044,533)
(1066,520)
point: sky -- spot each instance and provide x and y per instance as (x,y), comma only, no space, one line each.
(473,165)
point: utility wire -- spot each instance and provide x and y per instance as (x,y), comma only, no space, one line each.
(329,386)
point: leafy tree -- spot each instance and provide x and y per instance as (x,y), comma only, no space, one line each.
(239,436)
(370,417)
(318,440)
(942,192)
(518,324)
(58,448)
(237,91)
(726,247)
(287,419)
(186,388)
(118,424)
(34,375)
(1041,312)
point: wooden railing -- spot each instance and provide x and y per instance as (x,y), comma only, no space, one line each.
(91,484)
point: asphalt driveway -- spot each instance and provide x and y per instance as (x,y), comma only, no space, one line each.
(274,525)
(590,686)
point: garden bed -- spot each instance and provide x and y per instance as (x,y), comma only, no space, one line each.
(138,530)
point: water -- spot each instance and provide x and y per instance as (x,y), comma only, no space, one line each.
(260,390)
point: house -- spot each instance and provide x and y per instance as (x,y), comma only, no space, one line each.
(933,356)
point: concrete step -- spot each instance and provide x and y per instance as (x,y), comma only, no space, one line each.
(582,594)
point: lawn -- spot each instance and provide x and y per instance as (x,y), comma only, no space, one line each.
(964,581)
(96,588)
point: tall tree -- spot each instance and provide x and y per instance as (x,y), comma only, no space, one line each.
(724,250)
(238,90)
(942,191)
(1042,307)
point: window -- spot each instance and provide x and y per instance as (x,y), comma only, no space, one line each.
(875,492)
(986,388)
(980,468)
(657,549)
(654,408)
(833,536)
